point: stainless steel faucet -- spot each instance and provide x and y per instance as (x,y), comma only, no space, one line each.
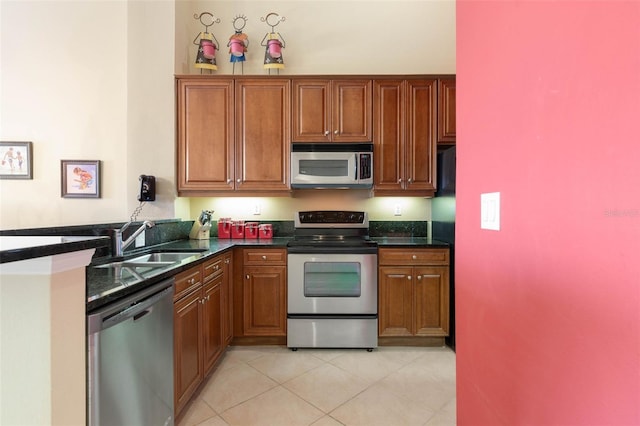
(118,246)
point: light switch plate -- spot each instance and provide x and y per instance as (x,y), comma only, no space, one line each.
(490,211)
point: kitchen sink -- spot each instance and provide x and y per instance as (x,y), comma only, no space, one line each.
(154,260)
(161,257)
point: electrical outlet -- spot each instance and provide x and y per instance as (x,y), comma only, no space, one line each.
(257,209)
(397,210)
(140,240)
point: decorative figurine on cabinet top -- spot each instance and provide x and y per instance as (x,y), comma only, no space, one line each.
(238,43)
(274,43)
(207,44)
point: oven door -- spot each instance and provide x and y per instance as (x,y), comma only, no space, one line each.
(332,283)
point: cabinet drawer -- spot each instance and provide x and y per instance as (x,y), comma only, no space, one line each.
(186,281)
(213,268)
(265,256)
(413,257)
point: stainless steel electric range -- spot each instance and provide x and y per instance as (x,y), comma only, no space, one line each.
(332,282)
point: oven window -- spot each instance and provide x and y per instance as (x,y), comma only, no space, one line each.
(332,279)
(328,168)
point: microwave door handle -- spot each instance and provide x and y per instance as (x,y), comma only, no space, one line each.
(356,166)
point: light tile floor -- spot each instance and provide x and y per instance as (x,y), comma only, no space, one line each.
(274,386)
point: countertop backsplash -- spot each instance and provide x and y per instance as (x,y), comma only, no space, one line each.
(168,230)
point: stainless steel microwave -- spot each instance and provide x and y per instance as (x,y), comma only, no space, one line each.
(332,165)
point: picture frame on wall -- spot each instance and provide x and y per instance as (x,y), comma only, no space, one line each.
(16,160)
(80,178)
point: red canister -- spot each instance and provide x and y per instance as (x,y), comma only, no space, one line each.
(265,231)
(224,227)
(251,230)
(237,229)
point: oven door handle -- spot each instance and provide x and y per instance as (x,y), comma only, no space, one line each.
(332,316)
(332,250)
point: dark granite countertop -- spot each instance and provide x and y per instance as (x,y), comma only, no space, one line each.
(15,248)
(103,287)
(409,241)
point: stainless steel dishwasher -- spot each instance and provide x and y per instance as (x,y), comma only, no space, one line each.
(130,365)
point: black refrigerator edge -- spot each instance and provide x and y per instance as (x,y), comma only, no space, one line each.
(443,216)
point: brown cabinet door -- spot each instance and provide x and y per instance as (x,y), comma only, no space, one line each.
(420,135)
(351,111)
(447,111)
(227,300)
(311,110)
(431,292)
(205,154)
(388,135)
(332,110)
(187,328)
(404,136)
(262,134)
(395,314)
(265,301)
(212,345)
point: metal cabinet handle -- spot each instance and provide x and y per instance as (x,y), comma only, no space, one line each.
(227,261)
(326,133)
(238,180)
(410,180)
(335,132)
(419,277)
(264,257)
(414,257)
(399,180)
(229,180)
(408,277)
(247,276)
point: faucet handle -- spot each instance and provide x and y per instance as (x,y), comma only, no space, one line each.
(124,227)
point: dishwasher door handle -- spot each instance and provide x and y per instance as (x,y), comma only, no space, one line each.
(142,314)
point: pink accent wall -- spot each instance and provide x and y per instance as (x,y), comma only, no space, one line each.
(548,308)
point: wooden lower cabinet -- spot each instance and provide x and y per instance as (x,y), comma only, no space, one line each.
(198,322)
(260,295)
(227,299)
(413,292)
(265,303)
(212,342)
(187,348)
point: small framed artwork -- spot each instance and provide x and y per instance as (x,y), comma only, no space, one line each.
(80,178)
(16,160)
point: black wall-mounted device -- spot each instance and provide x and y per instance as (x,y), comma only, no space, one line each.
(147,188)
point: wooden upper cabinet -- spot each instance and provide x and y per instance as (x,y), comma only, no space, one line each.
(447,111)
(263,134)
(205,147)
(389,141)
(421,125)
(326,110)
(404,113)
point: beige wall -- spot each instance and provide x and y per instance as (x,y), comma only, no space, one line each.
(325,37)
(94,80)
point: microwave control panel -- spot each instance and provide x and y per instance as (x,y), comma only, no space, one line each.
(365,166)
